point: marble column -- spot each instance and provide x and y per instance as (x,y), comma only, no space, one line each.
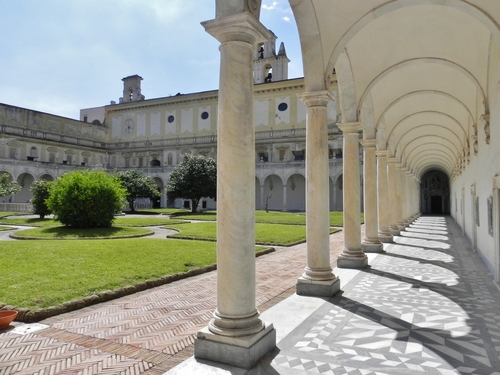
(399,197)
(371,243)
(318,278)
(236,335)
(393,196)
(262,205)
(405,196)
(384,233)
(352,255)
(285,189)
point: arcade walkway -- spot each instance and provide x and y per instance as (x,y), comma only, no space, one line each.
(425,306)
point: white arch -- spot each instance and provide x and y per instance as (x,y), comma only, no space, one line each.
(424,60)
(462,5)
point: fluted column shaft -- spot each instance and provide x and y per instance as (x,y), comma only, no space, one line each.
(393,196)
(384,232)
(352,255)
(371,243)
(318,278)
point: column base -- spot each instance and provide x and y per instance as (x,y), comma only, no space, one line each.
(317,288)
(395,231)
(355,262)
(385,237)
(372,247)
(243,351)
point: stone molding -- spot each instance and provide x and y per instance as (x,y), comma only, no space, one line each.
(316,98)
(350,127)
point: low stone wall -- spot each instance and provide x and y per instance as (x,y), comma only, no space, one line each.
(16,207)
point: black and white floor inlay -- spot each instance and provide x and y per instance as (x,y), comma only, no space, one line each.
(425,306)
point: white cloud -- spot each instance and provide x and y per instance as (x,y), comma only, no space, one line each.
(286,19)
(270,7)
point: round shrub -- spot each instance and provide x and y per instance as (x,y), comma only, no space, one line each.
(41,192)
(84,199)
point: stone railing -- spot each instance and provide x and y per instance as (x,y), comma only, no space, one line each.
(16,207)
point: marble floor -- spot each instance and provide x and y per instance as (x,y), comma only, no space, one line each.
(427,305)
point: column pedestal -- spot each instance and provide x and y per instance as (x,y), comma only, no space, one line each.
(352,254)
(241,352)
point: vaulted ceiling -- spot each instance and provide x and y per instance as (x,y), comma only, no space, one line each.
(415,73)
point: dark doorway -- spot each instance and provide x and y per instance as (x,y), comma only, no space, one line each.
(437,205)
(435,193)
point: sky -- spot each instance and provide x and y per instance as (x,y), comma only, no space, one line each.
(60,56)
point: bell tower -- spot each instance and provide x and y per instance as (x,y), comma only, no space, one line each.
(269,66)
(132,89)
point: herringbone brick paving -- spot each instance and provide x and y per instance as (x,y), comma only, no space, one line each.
(146,333)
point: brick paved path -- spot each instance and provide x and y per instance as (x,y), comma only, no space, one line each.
(146,333)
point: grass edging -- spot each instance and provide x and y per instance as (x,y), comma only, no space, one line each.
(29,316)
(13,235)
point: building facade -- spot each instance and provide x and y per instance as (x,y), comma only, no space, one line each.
(153,135)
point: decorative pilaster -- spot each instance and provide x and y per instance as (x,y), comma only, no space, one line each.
(352,255)
(384,233)
(318,278)
(236,335)
(371,243)
(393,196)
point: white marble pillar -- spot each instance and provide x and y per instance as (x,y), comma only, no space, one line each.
(393,196)
(352,255)
(384,233)
(318,278)
(262,205)
(399,197)
(371,243)
(236,335)
(285,189)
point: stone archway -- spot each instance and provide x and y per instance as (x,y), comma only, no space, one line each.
(296,193)
(26,180)
(435,193)
(273,193)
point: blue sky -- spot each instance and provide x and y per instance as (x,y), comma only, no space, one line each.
(58,56)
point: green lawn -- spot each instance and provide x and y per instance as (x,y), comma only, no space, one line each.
(120,221)
(38,274)
(273,217)
(67,233)
(265,234)
(42,273)
(32,222)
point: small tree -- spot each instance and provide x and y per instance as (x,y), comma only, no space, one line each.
(84,199)
(194,178)
(138,185)
(7,186)
(41,192)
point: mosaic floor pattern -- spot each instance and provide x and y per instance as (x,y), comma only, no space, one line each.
(423,307)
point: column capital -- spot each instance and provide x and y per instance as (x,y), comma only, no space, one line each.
(369,143)
(382,153)
(316,98)
(350,127)
(242,27)
(391,160)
